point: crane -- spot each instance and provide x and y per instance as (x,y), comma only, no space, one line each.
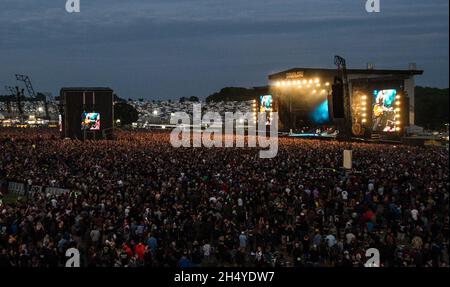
(8,100)
(28,85)
(18,94)
(31,92)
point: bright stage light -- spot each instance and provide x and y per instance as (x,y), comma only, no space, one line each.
(305,81)
(364,97)
(363,103)
(327,84)
(397,103)
(364,120)
(155,112)
(364,115)
(323,91)
(398,129)
(314,91)
(364,109)
(316,80)
(397,109)
(397,115)
(397,123)
(397,97)
(310,81)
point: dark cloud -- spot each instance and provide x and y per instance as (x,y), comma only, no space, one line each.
(169,49)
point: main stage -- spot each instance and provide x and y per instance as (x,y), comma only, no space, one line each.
(381,101)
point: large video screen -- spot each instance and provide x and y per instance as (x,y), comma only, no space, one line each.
(265,103)
(383,111)
(265,106)
(319,114)
(90,121)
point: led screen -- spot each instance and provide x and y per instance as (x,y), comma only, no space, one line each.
(320,114)
(265,106)
(383,110)
(90,121)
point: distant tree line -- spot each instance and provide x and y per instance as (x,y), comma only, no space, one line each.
(237,94)
(39,97)
(189,99)
(431,107)
(124,112)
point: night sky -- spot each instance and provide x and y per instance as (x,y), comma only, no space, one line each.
(166,49)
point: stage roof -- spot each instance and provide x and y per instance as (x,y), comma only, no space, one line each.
(85,89)
(332,72)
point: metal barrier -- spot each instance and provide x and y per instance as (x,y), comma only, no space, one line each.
(21,189)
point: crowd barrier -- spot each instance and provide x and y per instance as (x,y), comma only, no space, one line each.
(21,189)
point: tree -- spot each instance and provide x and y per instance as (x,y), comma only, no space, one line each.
(39,97)
(237,94)
(126,113)
(431,107)
(118,99)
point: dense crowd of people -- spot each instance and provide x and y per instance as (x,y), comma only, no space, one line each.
(138,201)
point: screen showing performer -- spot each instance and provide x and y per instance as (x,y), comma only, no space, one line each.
(265,106)
(90,121)
(383,116)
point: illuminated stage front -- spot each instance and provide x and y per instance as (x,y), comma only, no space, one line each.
(380,100)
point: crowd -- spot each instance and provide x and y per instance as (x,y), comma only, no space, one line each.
(141,202)
(158,112)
